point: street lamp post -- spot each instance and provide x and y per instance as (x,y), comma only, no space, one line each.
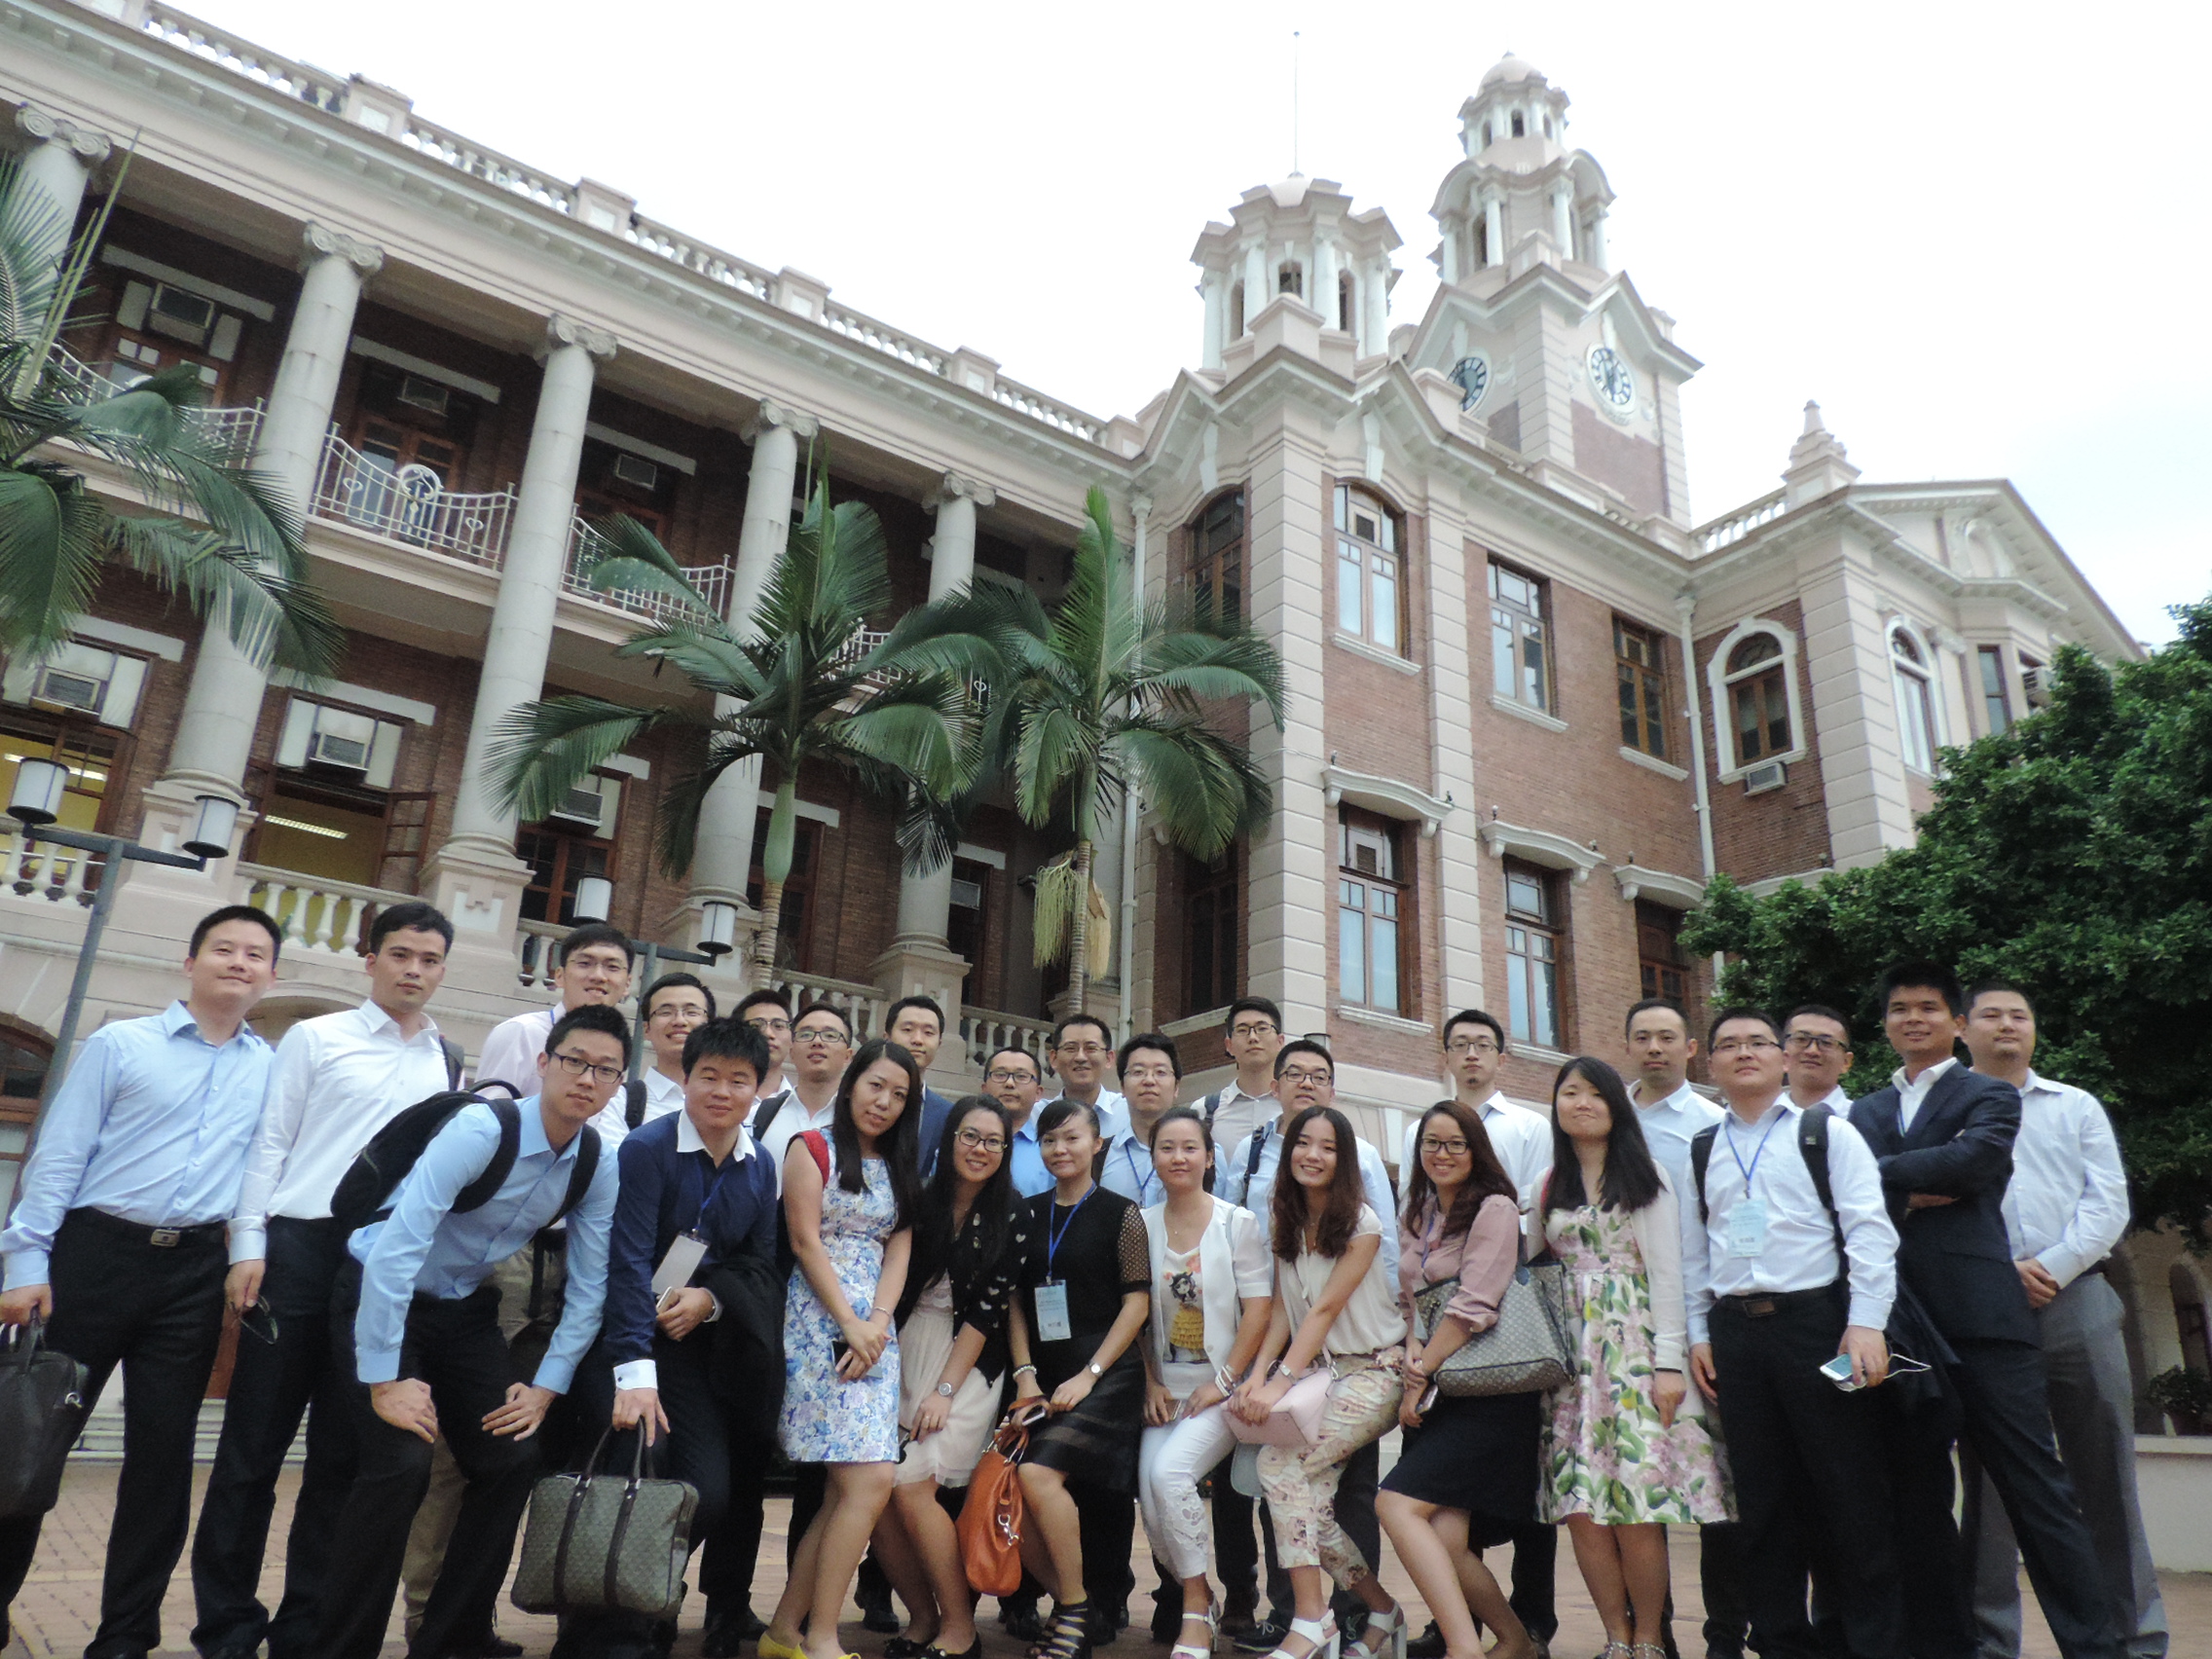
(594,901)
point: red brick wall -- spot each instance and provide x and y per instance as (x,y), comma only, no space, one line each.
(1630,465)
(1779,832)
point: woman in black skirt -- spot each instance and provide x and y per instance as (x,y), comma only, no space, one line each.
(1085,1293)
(1467,1476)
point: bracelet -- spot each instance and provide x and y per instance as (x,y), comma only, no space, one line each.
(1020,1369)
(1224,1381)
(874,1311)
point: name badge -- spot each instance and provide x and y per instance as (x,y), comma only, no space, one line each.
(1053,1313)
(676,1268)
(1747,1228)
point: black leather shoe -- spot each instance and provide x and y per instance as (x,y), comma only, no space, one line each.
(1429,1644)
(1263,1638)
(1019,1620)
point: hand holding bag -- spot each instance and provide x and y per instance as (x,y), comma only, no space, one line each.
(601,1543)
(1529,1350)
(1296,1420)
(989,1528)
(42,1412)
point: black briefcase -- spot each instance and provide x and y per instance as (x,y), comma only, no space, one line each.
(42,1412)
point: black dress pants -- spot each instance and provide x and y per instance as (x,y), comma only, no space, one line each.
(1812,1481)
(457,1348)
(158,1313)
(271,1387)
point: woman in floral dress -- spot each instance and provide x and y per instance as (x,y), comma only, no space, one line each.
(1626,1450)
(849,1198)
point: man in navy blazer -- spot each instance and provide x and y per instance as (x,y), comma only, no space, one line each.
(1943,1137)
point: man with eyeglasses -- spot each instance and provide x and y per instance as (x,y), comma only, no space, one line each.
(1150,1070)
(1815,1052)
(1081,1045)
(1014,1078)
(822,1046)
(591,968)
(428,1354)
(1250,1036)
(671,1007)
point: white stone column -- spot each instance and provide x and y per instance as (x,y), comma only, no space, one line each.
(521,637)
(1598,237)
(214,738)
(1378,293)
(1215,291)
(60,160)
(1448,268)
(1562,217)
(1494,231)
(1323,298)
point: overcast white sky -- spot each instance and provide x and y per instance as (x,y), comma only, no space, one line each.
(1976,233)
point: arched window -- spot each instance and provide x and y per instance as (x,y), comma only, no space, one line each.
(1368,581)
(1759,699)
(1486,136)
(1917,733)
(1290,280)
(1520,126)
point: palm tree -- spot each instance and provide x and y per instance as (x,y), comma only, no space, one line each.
(213,530)
(1099,696)
(803,685)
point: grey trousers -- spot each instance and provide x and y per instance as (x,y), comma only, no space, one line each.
(2092,1408)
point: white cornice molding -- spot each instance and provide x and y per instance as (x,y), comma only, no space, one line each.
(1540,847)
(1659,886)
(1769,886)
(1385,795)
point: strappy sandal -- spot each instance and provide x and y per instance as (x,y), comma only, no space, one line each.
(1391,1628)
(1211,1619)
(1068,1635)
(1321,1633)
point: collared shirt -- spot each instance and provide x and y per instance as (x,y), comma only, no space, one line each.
(663,1095)
(510,1053)
(1030,1176)
(1237,1114)
(336,1079)
(1521,1138)
(1835,1100)
(2067,1202)
(1669,1128)
(427,1249)
(1253,1189)
(790,1123)
(1911,1095)
(1128,1170)
(1113,1111)
(1798,1252)
(151,1124)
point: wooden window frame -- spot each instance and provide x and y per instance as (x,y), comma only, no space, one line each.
(1365,899)
(795,943)
(1996,692)
(1212,904)
(1513,623)
(1642,687)
(1663,971)
(1215,569)
(1524,929)
(1912,680)
(1763,685)
(1363,562)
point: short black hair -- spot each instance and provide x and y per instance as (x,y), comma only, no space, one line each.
(1149,1040)
(414,916)
(1821,1011)
(214,919)
(1742,1010)
(762,997)
(728,1040)
(1915,976)
(928,1005)
(668,983)
(592,1017)
(1251,1005)
(1982,987)
(1476,1016)
(832,1009)
(1647,1004)
(1303,1046)
(1036,1065)
(1105,1031)
(597,933)
(1064,1108)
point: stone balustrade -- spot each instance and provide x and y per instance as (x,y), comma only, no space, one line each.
(315,914)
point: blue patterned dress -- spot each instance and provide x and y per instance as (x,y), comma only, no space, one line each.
(828,1420)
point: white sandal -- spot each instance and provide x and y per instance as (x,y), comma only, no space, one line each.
(1391,1628)
(1320,1631)
(1211,1619)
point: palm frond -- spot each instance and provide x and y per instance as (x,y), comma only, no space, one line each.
(50,555)
(632,560)
(675,838)
(543,750)
(1202,784)
(269,617)
(34,235)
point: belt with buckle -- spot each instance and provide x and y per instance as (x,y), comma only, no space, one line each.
(1765,1304)
(159,1237)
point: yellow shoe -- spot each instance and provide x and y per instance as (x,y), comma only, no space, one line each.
(771,1648)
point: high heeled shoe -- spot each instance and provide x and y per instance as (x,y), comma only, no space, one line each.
(1320,1631)
(1211,1619)
(1389,1634)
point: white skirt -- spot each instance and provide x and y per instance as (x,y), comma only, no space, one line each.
(947,1456)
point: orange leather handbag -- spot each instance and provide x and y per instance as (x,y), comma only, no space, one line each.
(990,1520)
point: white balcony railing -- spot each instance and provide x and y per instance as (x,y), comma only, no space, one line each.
(1723,531)
(57,875)
(862,1004)
(586,547)
(983,1032)
(409,503)
(242,57)
(315,914)
(711,262)
(232,428)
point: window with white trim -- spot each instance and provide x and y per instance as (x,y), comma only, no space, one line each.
(1909,676)
(1370,906)
(1521,663)
(1531,953)
(1758,698)
(1368,581)
(1996,696)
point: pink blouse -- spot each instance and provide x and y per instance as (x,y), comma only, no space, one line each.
(1482,1258)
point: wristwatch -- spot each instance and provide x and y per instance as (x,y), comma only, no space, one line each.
(1095,1369)
(946,1390)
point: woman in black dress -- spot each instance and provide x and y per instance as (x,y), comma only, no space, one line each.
(1085,1293)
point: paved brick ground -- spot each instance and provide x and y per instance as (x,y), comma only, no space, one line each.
(55,1617)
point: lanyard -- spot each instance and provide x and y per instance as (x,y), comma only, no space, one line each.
(1055,1233)
(1730,1132)
(1142,1178)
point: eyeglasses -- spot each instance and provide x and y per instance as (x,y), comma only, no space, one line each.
(770,1026)
(1744,1045)
(828,1035)
(1002,1075)
(1258,1028)
(1299,1074)
(576,1065)
(1804,1040)
(1470,1046)
(1149,1073)
(1444,1148)
(259,1322)
(677,1010)
(981,1141)
(597,963)
(1079,1051)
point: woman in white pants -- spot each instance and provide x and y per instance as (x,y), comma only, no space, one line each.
(1212,1284)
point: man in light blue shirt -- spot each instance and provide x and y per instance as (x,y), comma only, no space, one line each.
(117,1244)
(1150,1070)
(428,1352)
(1016,1080)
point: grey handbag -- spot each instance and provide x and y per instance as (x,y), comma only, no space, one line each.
(42,1412)
(607,1543)
(1528,1350)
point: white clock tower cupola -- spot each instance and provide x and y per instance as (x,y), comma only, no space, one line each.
(1517,181)
(1297,238)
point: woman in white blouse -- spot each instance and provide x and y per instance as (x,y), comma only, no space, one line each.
(1212,1281)
(1336,1304)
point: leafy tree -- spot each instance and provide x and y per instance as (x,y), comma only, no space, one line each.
(2073,854)
(217,531)
(798,687)
(1095,697)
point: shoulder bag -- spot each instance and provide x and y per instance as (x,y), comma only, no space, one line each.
(1296,1420)
(990,1521)
(1527,1350)
(602,1543)
(42,1412)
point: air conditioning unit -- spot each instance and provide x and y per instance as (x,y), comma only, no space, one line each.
(427,394)
(340,740)
(335,749)
(60,687)
(967,895)
(593,804)
(79,677)
(2035,684)
(579,806)
(187,316)
(635,469)
(1771,775)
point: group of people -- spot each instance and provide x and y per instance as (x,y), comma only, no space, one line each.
(757,1232)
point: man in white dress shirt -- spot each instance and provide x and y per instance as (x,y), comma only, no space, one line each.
(1776,1304)
(1081,1045)
(671,1007)
(2065,1208)
(336,1079)
(1251,1037)
(1816,1051)
(593,965)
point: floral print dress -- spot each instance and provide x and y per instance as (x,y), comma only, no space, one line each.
(825,1420)
(1604,1454)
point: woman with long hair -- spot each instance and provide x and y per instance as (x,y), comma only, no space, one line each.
(1626,1449)
(1333,1305)
(849,1202)
(1467,1477)
(968,1240)
(1212,1291)
(1084,1291)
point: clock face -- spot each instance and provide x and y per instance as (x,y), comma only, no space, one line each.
(1471,375)
(1614,379)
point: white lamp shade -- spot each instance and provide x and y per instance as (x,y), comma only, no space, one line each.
(37,796)
(594,900)
(211,835)
(718,927)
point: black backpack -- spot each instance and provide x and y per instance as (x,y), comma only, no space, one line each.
(1812,1146)
(364,1193)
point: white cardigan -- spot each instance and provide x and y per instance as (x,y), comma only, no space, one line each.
(1231,1234)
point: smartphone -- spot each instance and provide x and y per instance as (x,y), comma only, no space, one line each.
(1838,1372)
(1428,1399)
(838,1349)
